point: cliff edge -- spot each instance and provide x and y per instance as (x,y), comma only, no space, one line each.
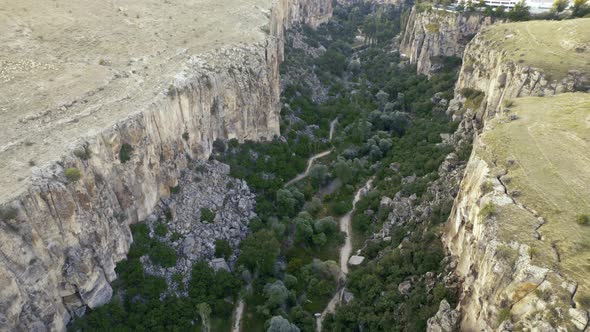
(101,106)
(517,228)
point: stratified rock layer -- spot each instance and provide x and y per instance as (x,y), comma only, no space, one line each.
(60,239)
(436,33)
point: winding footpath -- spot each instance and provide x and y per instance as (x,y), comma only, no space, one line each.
(239,312)
(345,252)
(313,158)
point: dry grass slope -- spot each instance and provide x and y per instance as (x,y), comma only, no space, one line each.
(546,152)
(554,46)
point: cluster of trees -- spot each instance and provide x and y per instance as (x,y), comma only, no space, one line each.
(138,305)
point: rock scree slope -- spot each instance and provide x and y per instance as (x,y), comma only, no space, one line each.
(79,81)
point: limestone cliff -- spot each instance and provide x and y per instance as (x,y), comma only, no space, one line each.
(520,254)
(60,239)
(434,33)
(509,61)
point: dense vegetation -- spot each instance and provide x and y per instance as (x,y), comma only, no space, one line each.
(287,268)
(139,305)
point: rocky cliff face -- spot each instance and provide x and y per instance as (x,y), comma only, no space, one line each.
(490,70)
(434,33)
(513,276)
(60,239)
(503,288)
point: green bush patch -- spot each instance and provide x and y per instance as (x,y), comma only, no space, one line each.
(72,174)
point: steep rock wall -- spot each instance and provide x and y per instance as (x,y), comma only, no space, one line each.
(60,240)
(433,33)
(503,288)
(488,68)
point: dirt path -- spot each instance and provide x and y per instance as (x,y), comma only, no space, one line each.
(313,158)
(238,316)
(333,128)
(240,308)
(345,252)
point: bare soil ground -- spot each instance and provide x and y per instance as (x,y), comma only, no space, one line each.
(546,152)
(71,68)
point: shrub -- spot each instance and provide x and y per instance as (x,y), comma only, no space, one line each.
(219,146)
(488,211)
(207,215)
(72,174)
(162,255)
(433,27)
(125,152)
(464,151)
(175,190)
(544,295)
(486,187)
(507,254)
(160,229)
(584,300)
(175,236)
(473,97)
(83,153)
(222,249)
(185,136)
(503,315)
(583,219)
(177,278)
(8,213)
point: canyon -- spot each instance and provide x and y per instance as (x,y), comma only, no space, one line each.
(128,112)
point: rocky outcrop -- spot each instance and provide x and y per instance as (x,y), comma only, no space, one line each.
(445,320)
(204,185)
(60,238)
(434,33)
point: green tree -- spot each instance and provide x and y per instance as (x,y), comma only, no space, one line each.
(318,175)
(559,5)
(259,251)
(520,12)
(276,294)
(280,324)
(222,249)
(580,8)
(303,228)
(343,171)
(288,201)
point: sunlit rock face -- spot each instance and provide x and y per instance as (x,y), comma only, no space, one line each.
(60,239)
(436,33)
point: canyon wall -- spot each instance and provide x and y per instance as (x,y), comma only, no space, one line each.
(516,274)
(432,33)
(60,239)
(489,69)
